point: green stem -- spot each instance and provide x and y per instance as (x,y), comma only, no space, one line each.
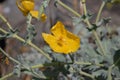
(68,8)
(41,10)
(110,69)
(30,43)
(22,40)
(29,21)
(94,32)
(40,50)
(3,18)
(98,18)
(37,66)
(99,43)
(43,65)
(9,56)
(100,11)
(88,63)
(88,75)
(85,12)
(49,64)
(71,57)
(34,46)
(78,63)
(14,60)
(86,21)
(6,76)
(109,73)
(85,74)
(2,30)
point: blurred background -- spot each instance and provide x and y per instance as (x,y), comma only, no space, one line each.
(15,16)
(54,13)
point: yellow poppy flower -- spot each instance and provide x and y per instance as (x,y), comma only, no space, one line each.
(61,40)
(27,6)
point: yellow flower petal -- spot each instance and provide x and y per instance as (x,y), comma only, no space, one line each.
(25,12)
(73,45)
(27,0)
(35,15)
(28,5)
(62,41)
(43,17)
(51,40)
(72,36)
(73,41)
(58,29)
(25,6)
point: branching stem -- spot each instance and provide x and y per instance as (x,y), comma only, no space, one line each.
(23,40)
(86,21)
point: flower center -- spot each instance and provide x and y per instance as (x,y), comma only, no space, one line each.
(60,41)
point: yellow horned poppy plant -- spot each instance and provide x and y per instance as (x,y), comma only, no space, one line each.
(61,40)
(27,6)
